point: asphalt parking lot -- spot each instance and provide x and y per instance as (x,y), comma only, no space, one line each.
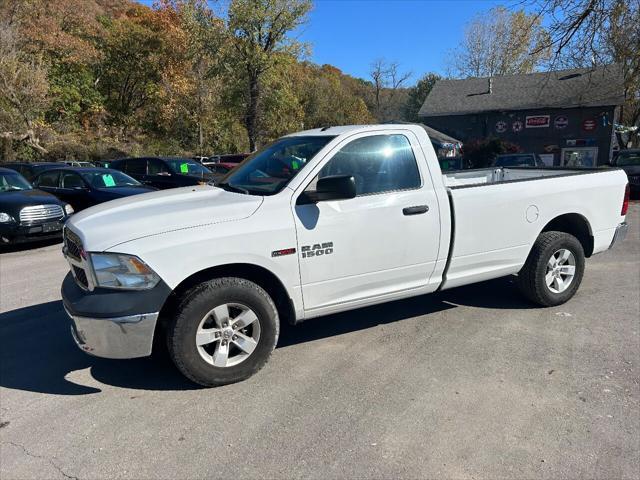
(468,383)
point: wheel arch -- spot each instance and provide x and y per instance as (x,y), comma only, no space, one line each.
(574,224)
(254,273)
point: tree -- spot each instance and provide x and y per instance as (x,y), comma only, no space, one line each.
(417,95)
(23,91)
(500,42)
(259,29)
(584,33)
(132,66)
(387,79)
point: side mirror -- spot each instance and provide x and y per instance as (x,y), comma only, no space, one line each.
(338,187)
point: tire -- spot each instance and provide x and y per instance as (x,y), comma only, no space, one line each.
(533,279)
(200,317)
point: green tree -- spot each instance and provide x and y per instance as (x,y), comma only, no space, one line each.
(132,66)
(23,92)
(500,42)
(259,29)
(417,95)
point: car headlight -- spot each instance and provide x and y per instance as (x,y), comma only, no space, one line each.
(116,270)
(68,209)
(6,218)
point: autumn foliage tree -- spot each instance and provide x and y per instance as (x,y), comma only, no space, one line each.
(101,78)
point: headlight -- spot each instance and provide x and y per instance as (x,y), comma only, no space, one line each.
(115,270)
(5,218)
(68,209)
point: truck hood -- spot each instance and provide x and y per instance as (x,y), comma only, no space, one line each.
(109,224)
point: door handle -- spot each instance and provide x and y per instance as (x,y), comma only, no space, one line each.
(417,210)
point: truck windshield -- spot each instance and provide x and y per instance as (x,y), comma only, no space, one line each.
(269,170)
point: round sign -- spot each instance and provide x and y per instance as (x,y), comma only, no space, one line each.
(517,126)
(561,121)
(589,125)
(501,126)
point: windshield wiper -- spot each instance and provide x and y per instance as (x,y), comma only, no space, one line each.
(232,188)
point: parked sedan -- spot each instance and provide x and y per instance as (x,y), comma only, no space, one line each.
(26,213)
(85,187)
(629,161)
(164,172)
(29,170)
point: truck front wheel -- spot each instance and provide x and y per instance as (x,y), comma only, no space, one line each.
(553,271)
(224,331)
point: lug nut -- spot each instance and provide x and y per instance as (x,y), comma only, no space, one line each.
(235,337)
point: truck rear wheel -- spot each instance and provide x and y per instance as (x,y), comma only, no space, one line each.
(224,331)
(554,269)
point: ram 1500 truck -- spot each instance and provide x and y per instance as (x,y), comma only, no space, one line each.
(319,222)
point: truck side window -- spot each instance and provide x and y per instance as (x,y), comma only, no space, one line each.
(379,163)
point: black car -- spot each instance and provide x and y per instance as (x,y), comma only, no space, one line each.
(164,172)
(26,213)
(518,160)
(85,187)
(29,170)
(629,161)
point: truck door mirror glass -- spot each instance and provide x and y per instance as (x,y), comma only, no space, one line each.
(336,187)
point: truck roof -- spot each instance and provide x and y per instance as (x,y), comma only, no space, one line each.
(342,129)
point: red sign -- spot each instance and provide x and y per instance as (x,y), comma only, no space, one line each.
(537,121)
(589,125)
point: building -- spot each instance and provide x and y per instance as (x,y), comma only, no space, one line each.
(566,117)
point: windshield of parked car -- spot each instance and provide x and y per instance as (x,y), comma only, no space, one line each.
(515,161)
(186,166)
(628,159)
(10,182)
(109,179)
(269,170)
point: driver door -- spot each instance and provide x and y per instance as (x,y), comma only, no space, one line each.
(383,242)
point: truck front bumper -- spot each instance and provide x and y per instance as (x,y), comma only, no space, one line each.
(120,337)
(621,233)
(113,323)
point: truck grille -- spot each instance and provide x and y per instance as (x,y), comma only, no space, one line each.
(74,253)
(73,244)
(39,213)
(80,276)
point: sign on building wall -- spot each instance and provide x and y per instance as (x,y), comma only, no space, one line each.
(537,121)
(517,126)
(501,126)
(561,121)
(589,125)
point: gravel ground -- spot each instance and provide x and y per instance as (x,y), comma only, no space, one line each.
(468,383)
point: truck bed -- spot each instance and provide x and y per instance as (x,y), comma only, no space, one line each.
(495,175)
(496,222)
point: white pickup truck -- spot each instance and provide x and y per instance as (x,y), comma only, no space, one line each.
(319,222)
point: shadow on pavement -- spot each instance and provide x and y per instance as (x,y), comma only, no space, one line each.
(37,352)
(26,246)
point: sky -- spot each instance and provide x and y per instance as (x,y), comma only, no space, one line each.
(351,34)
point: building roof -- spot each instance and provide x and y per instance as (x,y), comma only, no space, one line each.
(582,87)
